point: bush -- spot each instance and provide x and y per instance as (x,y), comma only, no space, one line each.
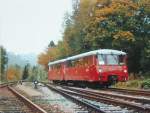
(131,84)
(147,75)
(146,84)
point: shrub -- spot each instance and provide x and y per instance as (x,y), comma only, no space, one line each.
(133,84)
(146,84)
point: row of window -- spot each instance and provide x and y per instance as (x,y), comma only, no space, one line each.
(82,62)
(109,59)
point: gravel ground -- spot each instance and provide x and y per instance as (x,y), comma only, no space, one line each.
(47,99)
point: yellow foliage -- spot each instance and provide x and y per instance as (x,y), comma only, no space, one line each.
(100,18)
(13,73)
(10,74)
(127,35)
(53,54)
(122,6)
(43,59)
(144,3)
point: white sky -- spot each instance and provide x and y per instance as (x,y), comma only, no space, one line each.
(27,26)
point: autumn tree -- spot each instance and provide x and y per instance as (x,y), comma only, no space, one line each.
(122,25)
(43,60)
(14,73)
(113,24)
(74,31)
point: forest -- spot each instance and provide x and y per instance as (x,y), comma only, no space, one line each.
(113,24)
(19,70)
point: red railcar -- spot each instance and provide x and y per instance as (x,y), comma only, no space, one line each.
(104,66)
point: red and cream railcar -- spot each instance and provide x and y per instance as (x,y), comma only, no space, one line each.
(104,66)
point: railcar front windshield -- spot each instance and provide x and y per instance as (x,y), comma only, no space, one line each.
(111,59)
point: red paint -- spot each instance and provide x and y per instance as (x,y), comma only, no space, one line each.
(89,71)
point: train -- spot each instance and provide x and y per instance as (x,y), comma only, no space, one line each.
(102,67)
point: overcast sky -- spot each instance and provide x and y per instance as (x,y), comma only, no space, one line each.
(27,26)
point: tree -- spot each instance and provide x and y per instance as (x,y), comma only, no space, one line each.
(113,24)
(3,63)
(122,25)
(25,73)
(37,73)
(51,44)
(14,72)
(145,59)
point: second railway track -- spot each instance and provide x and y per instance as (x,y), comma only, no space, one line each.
(142,100)
(129,91)
(88,107)
(87,101)
(141,105)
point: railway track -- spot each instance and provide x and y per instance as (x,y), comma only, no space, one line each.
(104,94)
(124,101)
(12,101)
(88,108)
(7,84)
(89,101)
(132,92)
(84,101)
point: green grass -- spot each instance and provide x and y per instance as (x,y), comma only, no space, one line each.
(143,83)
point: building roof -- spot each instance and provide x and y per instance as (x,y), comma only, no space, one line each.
(100,51)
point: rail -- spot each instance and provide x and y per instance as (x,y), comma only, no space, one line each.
(78,101)
(7,84)
(28,102)
(135,92)
(104,94)
(100,98)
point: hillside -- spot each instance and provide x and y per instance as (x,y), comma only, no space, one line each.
(21,59)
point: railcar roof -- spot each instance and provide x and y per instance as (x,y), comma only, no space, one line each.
(100,51)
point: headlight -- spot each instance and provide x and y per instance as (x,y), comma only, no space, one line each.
(125,71)
(100,70)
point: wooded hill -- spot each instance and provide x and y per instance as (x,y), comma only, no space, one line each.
(115,24)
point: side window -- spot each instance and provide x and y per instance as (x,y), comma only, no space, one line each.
(122,60)
(69,63)
(50,68)
(101,59)
(82,62)
(56,66)
(73,63)
(86,61)
(77,63)
(89,60)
